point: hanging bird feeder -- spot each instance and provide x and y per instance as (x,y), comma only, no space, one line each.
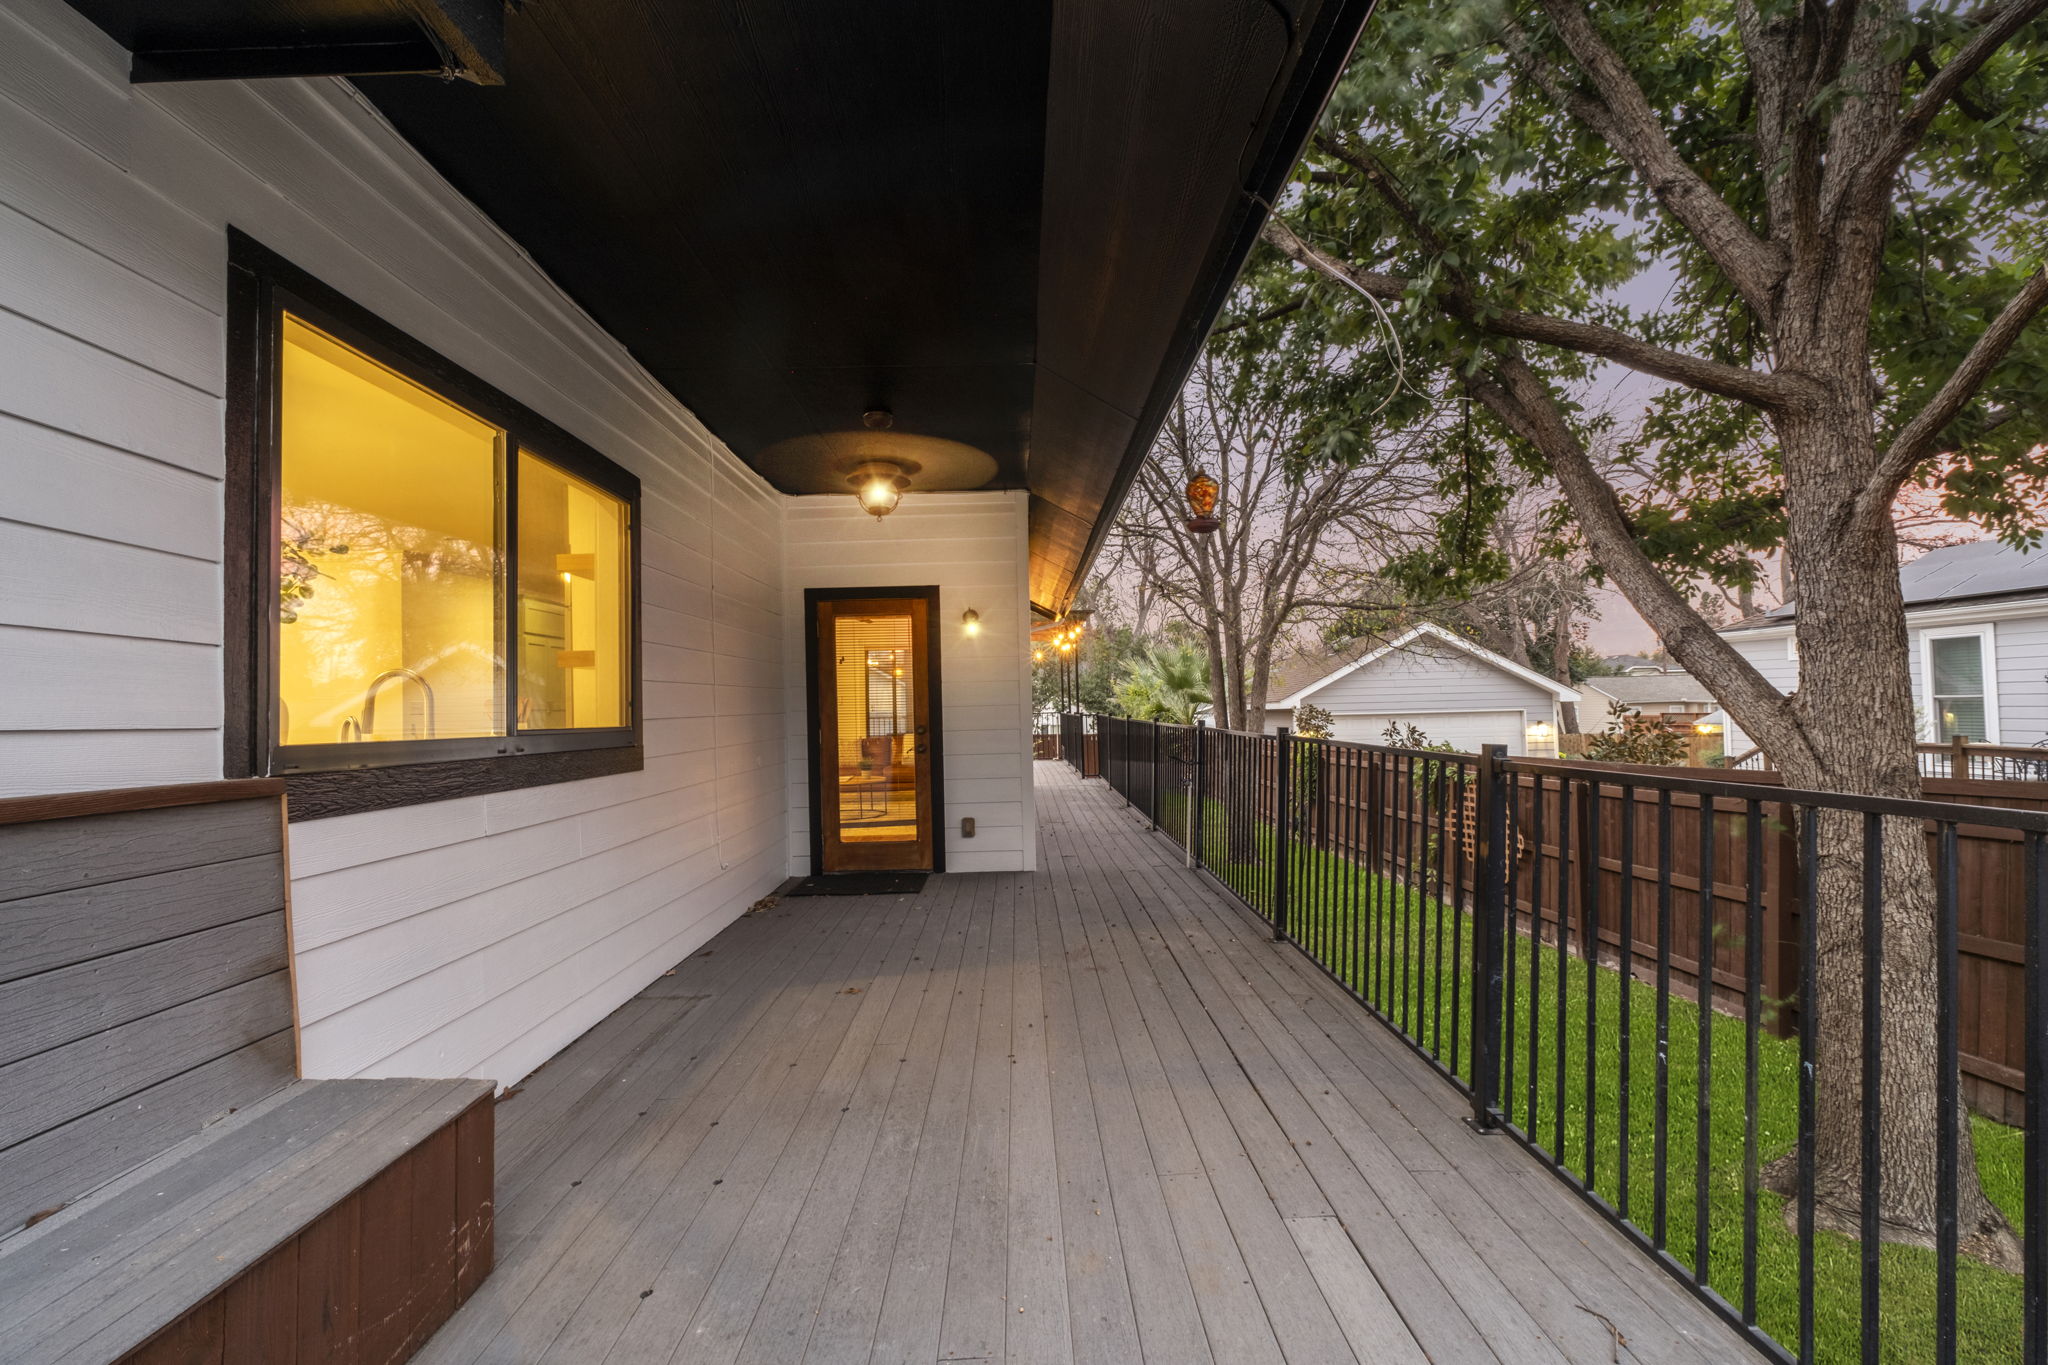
(1202,491)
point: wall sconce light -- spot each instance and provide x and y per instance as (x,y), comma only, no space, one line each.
(1202,491)
(1542,733)
(1706,727)
(970,622)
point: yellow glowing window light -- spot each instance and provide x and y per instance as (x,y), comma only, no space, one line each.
(388,554)
(574,630)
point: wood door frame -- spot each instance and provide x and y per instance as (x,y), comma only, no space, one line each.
(936,701)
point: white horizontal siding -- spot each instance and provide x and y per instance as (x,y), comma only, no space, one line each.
(1467,731)
(2019,644)
(470,937)
(1426,677)
(972,546)
(2023,679)
(1771,657)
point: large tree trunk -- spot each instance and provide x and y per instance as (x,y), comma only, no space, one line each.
(1849,729)
(1561,665)
(1854,708)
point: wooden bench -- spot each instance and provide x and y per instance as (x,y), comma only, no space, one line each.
(169,1190)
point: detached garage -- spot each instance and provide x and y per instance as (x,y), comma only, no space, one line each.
(1445,686)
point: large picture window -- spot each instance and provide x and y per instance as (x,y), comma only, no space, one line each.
(440,586)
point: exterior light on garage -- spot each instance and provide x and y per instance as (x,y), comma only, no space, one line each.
(1542,735)
(1706,727)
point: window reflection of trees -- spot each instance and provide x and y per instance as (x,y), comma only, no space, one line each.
(323,590)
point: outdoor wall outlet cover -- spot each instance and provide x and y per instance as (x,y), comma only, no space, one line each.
(967,827)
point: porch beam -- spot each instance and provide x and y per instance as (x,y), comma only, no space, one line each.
(462,39)
(408,58)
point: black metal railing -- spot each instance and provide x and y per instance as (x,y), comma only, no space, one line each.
(1618,965)
(1079,743)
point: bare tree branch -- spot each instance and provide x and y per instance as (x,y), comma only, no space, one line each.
(1517,395)
(1729,381)
(1278,310)
(1292,542)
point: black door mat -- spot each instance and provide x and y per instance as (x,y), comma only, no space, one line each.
(860,884)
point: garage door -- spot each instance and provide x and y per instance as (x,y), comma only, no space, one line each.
(1467,730)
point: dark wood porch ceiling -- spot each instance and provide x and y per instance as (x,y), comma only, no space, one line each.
(1010,224)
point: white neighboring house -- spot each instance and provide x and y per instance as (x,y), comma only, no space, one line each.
(1671,697)
(1977,631)
(1441,683)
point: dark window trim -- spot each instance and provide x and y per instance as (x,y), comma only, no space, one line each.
(360,777)
(813,596)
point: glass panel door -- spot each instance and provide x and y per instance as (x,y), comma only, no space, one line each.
(874,734)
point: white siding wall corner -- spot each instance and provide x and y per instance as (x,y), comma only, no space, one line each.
(973,547)
(2022,679)
(472,937)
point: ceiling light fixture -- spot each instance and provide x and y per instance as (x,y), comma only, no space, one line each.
(879,485)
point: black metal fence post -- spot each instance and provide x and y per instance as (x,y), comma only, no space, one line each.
(1152,781)
(1283,832)
(1197,797)
(1493,908)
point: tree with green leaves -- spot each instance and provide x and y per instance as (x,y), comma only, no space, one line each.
(1817,226)
(1165,682)
(1632,737)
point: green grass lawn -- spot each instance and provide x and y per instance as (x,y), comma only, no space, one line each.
(1398,969)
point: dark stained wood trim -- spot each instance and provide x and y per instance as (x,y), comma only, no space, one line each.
(317,796)
(21,810)
(240,618)
(261,284)
(372,1276)
(813,596)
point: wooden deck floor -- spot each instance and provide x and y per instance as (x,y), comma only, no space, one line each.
(1088,1113)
